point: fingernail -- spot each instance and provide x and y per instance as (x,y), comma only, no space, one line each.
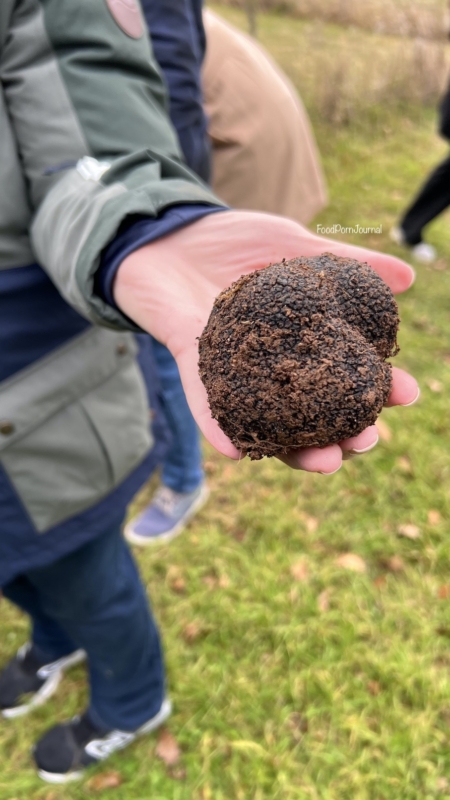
(356,452)
(329,473)
(406,405)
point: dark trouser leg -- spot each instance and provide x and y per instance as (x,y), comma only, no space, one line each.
(49,640)
(97,598)
(432,200)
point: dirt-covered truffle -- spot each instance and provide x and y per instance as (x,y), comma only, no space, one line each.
(294,355)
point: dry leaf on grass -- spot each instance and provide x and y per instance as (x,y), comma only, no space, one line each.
(192,631)
(177,773)
(384,430)
(435,386)
(380,581)
(323,601)
(210,467)
(176,580)
(409,531)
(395,564)
(444,591)
(178,585)
(442,784)
(374,688)
(298,725)
(167,748)
(105,780)
(299,571)
(311,524)
(352,562)
(404,464)
(434,517)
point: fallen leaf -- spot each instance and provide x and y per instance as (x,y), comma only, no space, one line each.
(410,531)
(384,430)
(311,524)
(444,591)
(374,688)
(395,564)
(193,631)
(323,601)
(167,748)
(352,562)
(298,725)
(404,464)
(434,517)
(105,780)
(442,784)
(299,571)
(177,773)
(178,585)
(435,386)
(380,581)
(224,581)
(210,467)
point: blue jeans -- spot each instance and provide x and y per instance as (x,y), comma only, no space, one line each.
(182,466)
(93,598)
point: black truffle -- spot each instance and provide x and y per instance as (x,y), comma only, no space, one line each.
(294,355)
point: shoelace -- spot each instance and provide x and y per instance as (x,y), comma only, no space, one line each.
(167,501)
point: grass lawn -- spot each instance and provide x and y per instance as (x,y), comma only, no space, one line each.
(293,677)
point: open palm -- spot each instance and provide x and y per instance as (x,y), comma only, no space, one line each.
(168,288)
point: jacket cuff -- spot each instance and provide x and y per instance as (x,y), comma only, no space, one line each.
(136,235)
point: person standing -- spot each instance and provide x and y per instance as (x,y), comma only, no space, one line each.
(432,199)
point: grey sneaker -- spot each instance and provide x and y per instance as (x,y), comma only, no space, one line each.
(166,516)
(25,682)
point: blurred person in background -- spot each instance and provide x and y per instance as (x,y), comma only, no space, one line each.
(264,154)
(432,200)
(104,232)
(263,158)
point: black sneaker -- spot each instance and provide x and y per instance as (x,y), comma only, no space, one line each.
(65,751)
(26,682)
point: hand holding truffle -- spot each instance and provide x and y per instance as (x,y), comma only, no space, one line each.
(293,356)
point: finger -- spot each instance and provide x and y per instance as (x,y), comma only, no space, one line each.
(405,390)
(325,460)
(398,275)
(266,239)
(362,443)
(198,403)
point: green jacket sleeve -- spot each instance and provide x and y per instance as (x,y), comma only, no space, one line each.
(88,109)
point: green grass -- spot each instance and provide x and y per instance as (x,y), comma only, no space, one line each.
(276,699)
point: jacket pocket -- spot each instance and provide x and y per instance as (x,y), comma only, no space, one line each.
(74,425)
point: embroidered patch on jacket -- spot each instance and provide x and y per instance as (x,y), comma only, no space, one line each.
(128,16)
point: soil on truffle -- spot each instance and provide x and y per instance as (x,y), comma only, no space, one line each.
(294,355)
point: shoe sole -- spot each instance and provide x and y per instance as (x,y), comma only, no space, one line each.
(148,727)
(144,541)
(48,689)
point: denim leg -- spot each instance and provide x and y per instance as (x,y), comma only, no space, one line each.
(96,595)
(182,470)
(49,639)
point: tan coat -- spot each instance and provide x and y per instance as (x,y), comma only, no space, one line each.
(264,154)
